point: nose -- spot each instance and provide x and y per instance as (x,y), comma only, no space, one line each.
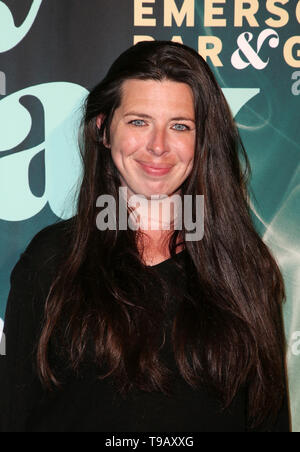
(157,143)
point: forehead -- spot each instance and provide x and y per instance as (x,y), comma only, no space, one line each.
(153,93)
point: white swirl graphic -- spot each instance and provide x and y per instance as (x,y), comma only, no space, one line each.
(10,35)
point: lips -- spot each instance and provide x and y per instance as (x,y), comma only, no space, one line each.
(155,169)
(157,166)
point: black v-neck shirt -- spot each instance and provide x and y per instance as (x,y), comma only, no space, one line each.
(85,403)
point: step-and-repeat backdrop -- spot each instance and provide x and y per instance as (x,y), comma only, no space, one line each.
(52,52)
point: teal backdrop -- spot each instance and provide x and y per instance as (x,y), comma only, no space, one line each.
(53,52)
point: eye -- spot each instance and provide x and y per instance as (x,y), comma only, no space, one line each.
(137,122)
(180,127)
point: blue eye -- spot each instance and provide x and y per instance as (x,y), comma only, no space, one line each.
(137,122)
(181,127)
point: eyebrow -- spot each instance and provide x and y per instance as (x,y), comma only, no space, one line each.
(143,115)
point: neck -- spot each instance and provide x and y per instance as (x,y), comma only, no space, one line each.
(159,213)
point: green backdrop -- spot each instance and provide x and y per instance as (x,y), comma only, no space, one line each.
(53,52)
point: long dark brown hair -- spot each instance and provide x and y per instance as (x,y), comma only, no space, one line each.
(227,332)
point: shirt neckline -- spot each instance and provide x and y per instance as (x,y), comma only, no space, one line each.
(166,261)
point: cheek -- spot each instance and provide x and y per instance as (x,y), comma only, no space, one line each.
(186,150)
(125,143)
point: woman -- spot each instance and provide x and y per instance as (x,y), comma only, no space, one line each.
(133,329)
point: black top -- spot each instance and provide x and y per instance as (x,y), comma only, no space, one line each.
(87,404)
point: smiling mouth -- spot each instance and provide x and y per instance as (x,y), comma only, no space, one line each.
(156,165)
(155,169)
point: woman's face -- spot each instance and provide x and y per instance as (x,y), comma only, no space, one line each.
(154,125)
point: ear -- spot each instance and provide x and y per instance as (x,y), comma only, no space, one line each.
(99,122)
